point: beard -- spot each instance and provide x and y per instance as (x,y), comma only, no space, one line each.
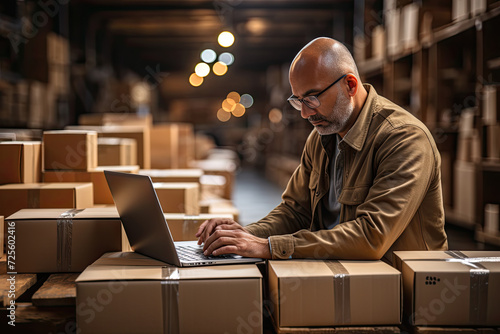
(338,118)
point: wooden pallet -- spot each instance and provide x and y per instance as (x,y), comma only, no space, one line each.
(43,303)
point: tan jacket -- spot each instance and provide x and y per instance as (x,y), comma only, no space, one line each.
(391,197)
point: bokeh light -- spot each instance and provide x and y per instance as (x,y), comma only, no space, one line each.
(227,58)
(275,115)
(228,105)
(246,100)
(238,110)
(208,56)
(195,80)
(219,68)
(225,39)
(234,96)
(202,69)
(223,115)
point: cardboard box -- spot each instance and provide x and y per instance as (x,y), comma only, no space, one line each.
(311,293)
(460,10)
(141,134)
(102,194)
(177,197)
(450,288)
(491,219)
(477,7)
(21,162)
(464,195)
(14,197)
(171,297)
(378,42)
(173,175)
(410,21)
(63,240)
(116,152)
(172,145)
(184,227)
(225,168)
(129,119)
(491,95)
(70,150)
(493,141)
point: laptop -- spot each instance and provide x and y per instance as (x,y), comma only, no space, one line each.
(147,230)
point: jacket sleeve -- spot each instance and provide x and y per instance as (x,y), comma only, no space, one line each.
(294,211)
(405,165)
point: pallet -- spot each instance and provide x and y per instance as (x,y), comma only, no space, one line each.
(58,290)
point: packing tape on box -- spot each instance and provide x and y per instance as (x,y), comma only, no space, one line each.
(170,299)
(341,291)
(33,198)
(479,278)
(65,239)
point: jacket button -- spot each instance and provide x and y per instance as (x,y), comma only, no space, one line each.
(317,193)
(283,252)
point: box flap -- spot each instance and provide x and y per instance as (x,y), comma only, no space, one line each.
(122,168)
(25,214)
(202,216)
(315,268)
(193,172)
(175,185)
(130,265)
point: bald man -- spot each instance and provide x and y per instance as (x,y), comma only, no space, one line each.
(369,180)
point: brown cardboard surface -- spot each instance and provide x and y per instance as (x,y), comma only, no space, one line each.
(184,227)
(38,239)
(304,293)
(177,197)
(20,162)
(441,290)
(234,293)
(70,150)
(172,145)
(14,197)
(173,175)
(117,151)
(116,119)
(464,190)
(140,133)
(102,194)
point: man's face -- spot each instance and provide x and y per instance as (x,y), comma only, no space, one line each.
(336,106)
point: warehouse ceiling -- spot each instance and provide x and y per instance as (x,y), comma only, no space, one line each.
(171,34)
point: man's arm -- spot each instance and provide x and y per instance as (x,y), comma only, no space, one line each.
(406,164)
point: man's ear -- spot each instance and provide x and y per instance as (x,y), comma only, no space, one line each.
(352,84)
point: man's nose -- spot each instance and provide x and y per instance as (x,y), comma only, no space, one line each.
(305,111)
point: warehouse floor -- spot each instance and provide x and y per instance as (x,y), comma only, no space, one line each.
(255,196)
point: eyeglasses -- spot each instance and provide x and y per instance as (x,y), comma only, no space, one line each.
(310,101)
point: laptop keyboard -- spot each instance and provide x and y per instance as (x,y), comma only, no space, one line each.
(191,253)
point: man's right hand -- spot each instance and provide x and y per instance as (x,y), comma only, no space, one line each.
(210,226)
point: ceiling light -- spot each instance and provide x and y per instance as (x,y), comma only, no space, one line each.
(225,39)
(219,68)
(195,80)
(202,69)
(227,58)
(208,56)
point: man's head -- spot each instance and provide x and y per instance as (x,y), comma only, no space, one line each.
(330,108)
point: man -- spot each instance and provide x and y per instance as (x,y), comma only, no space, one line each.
(369,181)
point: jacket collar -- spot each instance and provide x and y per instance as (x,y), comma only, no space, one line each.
(356,136)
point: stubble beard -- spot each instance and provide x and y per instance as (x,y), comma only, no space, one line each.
(339,117)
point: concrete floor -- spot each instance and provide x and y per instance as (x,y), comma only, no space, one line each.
(255,197)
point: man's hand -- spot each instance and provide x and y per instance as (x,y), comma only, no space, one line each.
(209,226)
(225,236)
